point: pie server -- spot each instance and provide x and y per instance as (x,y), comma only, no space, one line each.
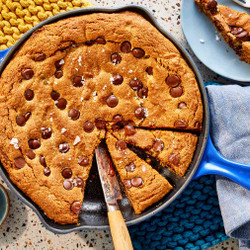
(112,193)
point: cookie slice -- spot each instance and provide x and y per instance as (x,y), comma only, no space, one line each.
(172,149)
(143,185)
(233,25)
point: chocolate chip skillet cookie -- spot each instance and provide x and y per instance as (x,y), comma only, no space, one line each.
(79,80)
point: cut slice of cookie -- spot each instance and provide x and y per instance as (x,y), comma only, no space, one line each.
(172,149)
(233,25)
(143,185)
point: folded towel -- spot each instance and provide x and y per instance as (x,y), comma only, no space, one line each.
(230,130)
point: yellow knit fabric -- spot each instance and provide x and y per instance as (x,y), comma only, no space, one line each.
(18,16)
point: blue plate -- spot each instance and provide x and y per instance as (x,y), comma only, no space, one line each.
(4,204)
(215,54)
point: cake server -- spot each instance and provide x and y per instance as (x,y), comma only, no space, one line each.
(112,193)
(244,3)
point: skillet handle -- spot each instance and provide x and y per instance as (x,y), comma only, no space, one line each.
(214,163)
(3,54)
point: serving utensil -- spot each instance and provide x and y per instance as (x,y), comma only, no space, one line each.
(112,193)
(243,3)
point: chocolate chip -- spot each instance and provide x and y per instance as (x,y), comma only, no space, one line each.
(30,154)
(89,42)
(129,130)
(180,124)
(27,74)
(121,145)
(19,162)
(54,95)
(27,116)
(117,118)
(29,94)
(88,126)
(78,81)
(149,70)
(34,143)
(78,182)
(130,167)
(143,93)
(59,63)
(63,147)
(182,105)
(20,120)
(212,6)
(112,101)
(173,80)
(136,84)
(126,47)
(176,92)
(42,160)
(47,171)
(138,52)
(140,113)
(100,40)
(66,173)
(158,145)
(83,160)
(100,123)
(136,182)
(174,159)
(118,79)
(46,133)
(197,125)
(115,58)
(74,114)
(127,184)
(40,57)
(61,103)
(76,207)
(238,32)
(68,184)
(58,73)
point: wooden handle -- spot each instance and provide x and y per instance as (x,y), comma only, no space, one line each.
(119,231)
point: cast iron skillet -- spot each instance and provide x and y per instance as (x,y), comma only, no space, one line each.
(206,159)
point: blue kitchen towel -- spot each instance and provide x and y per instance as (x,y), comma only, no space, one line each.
(230,129)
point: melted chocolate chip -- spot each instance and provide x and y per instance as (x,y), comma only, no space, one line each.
(58,73)
(27,74)
(136,182)
(116,58)
(66,173)
(118,79)
(138,52)
(121,145)
(89,42)
(112,101)
(136,84)
(212,6)
(130,167)
(63,147)
(140,113)
(47,171)
(27,116)
(176,92)
(68,184)
(20,120)
(74,114)
(29,94)
(30,154)
(182,105)
(143,92)
(238,32)
(42,160)
(76,207)
(88,126)
(46,133)
(158,145)
(54,95)
(180,124)
(78,182)
(83,160)
(100,123)
(100,40)
(174,159)
(40,57)
(34,143)
(149,70)
(126,47)
(129,130)
(173,80)
(78,81)
(117,118)
(19,162)
(61,103)
(127,184)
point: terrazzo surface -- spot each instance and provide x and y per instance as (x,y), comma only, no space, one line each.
(23,230)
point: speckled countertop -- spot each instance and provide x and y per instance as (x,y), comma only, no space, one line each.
(23,229)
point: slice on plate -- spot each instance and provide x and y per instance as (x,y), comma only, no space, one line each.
(143,185)
(233,25)
(172,149)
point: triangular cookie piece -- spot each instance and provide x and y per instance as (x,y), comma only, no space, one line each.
(143,185)
(233,25)
(172,149)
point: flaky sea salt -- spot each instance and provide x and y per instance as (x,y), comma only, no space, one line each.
(143,168)
(202,41)
(130,71)
(217,38)
(77,140)
(51,119)
(63,130)
(61,62)
(14,142)
(111,79)
(82,99)
(105,86)
(79,60)
(146,112)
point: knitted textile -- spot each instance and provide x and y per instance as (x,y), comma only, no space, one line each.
(18,16)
